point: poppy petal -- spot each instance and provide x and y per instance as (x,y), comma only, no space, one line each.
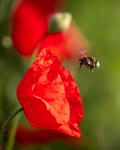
(72,130)
(73,96)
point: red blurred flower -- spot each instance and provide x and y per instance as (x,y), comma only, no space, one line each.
(50,96)
(69,43)
(30,30)
(30,23)
(27,136)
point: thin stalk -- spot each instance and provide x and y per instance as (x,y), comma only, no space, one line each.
(4,127)
(11,138)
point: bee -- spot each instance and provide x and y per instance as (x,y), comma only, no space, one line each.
(89,62)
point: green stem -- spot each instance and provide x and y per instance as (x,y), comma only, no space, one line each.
(12,132)
(4,127)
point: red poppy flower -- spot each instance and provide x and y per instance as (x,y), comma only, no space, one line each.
(27,136)
(30,23)
(50,96)
(69,43)
(30,30)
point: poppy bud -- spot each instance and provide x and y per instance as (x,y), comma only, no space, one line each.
(59,22)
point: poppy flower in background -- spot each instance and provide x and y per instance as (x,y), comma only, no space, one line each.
(30,29)
(50,97)
(29,136)
(69,43)
(25,136)
(30,23)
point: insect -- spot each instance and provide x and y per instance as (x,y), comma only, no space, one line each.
(89,62)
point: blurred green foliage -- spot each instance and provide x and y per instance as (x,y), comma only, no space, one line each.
(100,22)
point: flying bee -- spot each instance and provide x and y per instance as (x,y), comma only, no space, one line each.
(89,62)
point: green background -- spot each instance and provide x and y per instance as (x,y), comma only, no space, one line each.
(100,22)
